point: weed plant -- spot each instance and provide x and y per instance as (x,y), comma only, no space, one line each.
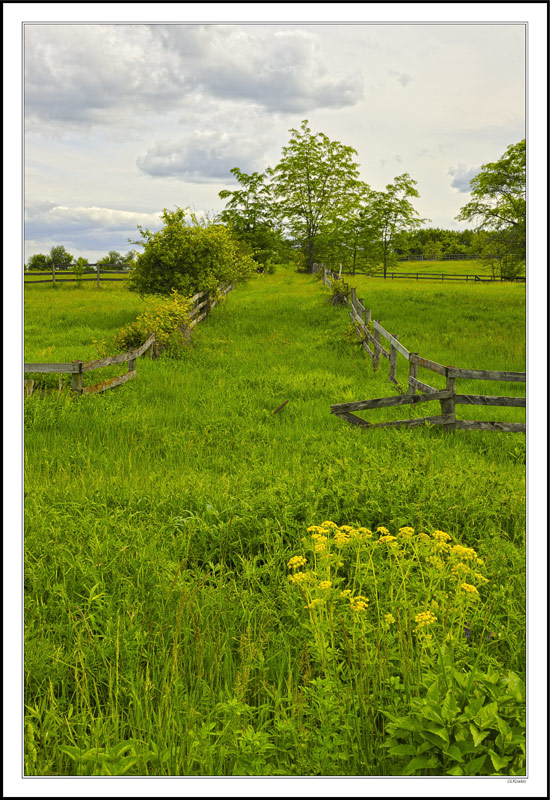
(162,635)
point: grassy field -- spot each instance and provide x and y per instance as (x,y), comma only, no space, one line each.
(468,267)
(180,617)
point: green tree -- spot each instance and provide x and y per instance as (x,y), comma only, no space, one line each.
(79,268)
(38,261)
(112,261)
(391,213)
(314,185)
(498,205)
(59,257)
(250,215)
(188,255)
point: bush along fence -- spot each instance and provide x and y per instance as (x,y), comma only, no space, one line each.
(94,269)
(202,304)
(371,333)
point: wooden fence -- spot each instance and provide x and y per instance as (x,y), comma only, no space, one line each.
(430,276)
(202,304)
(56,271)
(371,333)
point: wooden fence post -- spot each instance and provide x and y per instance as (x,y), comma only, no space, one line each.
(376,361)
(77,377)
(368,315)
(393,361)
(413,372)
(448,405)
(53,273)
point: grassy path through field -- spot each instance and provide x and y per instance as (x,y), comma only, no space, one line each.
(159,521)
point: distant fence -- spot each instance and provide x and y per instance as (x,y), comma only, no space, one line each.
(202,304)
(430,276)
(56,271)
(371,332)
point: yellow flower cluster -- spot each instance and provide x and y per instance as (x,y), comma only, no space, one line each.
(468,588)
(299,577)
(406,532)
(441,536)
(382,530)
(386,538)
(389,619)
(314,603)
(325,584)
(466,553)
(424,619)
(297,561)
(359,602)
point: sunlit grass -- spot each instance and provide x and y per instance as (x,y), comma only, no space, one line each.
(162,636)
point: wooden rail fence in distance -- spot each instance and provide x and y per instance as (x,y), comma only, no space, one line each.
(371,332)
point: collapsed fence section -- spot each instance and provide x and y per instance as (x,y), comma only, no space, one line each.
(203,302)
(371,333)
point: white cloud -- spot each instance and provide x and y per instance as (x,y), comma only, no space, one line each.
(205,155)
(462,175)
(79,75)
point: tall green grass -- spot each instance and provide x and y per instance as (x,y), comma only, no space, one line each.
(162,636)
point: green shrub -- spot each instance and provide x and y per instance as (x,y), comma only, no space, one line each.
(168,321)
(188,256)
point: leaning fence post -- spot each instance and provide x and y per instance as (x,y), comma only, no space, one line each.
(448,404)
(413,372)
(393,361)
(377,347)
(77,377)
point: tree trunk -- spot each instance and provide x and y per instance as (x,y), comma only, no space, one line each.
(310,256)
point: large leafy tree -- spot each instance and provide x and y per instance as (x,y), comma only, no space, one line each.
(38,261)
(314,184)
(498,205)
(250,215)
(391,214)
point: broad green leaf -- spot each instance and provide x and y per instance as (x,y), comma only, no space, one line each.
(418,763)
(474,767)
(402,750)
(499,762)
(454,752)
(455,771)
(477,736)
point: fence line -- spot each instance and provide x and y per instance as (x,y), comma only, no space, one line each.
(200,301)
(97,278)
(371,332)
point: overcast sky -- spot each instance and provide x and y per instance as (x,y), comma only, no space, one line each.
(123,120)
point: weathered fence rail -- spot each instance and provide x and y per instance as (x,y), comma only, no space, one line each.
(371,332)
(97,275)
(203,302)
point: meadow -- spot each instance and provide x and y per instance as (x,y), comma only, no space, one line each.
(469,267)
(212,588)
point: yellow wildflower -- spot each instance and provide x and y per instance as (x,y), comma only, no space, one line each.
(406,532)
(387,539)
(329,524)
(441,536)
(389,618)
(345,593)
(382,530)
(314,603)
(460,569)
(320,546)
(365,532)
(467,553)
(325,584)
(341,537)
(297,561)
(299,577)
(468,588)
(424,619)
(359,602)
